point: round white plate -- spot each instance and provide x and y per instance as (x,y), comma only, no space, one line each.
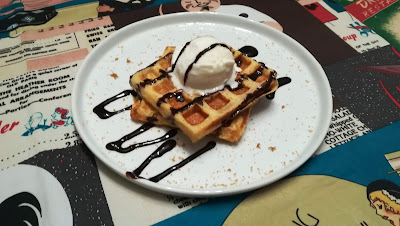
(281,134)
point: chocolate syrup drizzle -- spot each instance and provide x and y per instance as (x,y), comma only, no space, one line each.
(197,100)
(117,145)
(199,56)
(103,113)
(256,74)
(134,175)
(282,81)
(238,61)
(177,94)
(210,145)
(249,51)
(160,151)
(249,98)
(146,82)
(179,55)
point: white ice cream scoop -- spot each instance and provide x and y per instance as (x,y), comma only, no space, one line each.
(203,65)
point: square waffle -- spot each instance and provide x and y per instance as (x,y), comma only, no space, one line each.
(196,115)
(232,131)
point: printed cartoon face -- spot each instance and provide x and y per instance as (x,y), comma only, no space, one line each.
(383,210)
(200,5)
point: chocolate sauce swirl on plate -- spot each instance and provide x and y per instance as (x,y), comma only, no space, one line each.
(165,147)
(103,113)
(117,145)
(160,151)
(210,145)
(282,81)
(249,51)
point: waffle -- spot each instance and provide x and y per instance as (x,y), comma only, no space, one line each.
(198,116)
(142,111)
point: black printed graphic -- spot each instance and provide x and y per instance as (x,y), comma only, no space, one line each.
(20,209)
(26,18)
(107,7)
(76,170)
(368,85)
(301,220)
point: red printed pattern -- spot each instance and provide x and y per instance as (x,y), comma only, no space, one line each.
(364,9)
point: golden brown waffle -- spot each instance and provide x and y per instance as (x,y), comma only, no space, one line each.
(232,131)
(142,111)
(198,116)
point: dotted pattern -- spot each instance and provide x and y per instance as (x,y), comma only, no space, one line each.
(360,90)
(4,159)
(76,170)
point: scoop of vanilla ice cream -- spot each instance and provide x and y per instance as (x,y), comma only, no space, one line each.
(214,68)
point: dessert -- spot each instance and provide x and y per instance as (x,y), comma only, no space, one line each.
(199,96)
(204,66)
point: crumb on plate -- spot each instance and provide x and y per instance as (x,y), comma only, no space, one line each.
(114,75)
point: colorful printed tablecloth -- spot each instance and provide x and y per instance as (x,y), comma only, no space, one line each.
(49,177)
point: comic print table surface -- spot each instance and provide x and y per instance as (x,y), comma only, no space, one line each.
(44,43)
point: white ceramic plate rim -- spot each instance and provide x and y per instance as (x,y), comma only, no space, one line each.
(201,17)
